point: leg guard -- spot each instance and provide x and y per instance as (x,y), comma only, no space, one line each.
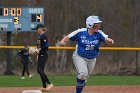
(79,85)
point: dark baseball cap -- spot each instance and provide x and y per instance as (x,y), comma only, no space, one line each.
(39,26)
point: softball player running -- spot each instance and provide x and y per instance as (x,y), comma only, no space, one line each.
(87,48)
(42,49)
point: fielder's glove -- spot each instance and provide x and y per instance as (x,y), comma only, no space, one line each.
(33,51)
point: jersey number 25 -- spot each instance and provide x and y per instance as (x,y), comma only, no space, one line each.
(90,47)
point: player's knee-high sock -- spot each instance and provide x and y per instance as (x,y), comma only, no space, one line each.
(23,71)
(47,79)
(79,85)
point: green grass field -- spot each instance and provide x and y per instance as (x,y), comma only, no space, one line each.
(68,80)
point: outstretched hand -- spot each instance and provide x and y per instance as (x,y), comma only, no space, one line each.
(109,41)
(62,43)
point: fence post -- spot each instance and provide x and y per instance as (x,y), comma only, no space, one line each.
(9,64)
(137,60)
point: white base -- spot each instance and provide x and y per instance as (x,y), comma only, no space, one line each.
(31,91)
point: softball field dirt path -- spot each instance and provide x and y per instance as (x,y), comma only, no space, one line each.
(70,89)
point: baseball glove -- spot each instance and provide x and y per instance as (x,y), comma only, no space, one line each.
(33,51)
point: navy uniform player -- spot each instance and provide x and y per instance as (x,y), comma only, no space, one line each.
(25,59)
(87,48)
(42,50)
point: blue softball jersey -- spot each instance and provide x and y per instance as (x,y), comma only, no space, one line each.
(87,45)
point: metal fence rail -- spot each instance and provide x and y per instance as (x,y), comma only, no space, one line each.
(72,48)
(136,55)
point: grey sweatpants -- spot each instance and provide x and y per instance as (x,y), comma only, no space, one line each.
(83,65)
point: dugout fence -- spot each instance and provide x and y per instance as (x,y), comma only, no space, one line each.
(111,61)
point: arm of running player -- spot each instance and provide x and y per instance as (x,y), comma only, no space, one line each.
(109,41)
(64,40)
(73,36)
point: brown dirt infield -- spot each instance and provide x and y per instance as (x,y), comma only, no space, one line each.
(70,89)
